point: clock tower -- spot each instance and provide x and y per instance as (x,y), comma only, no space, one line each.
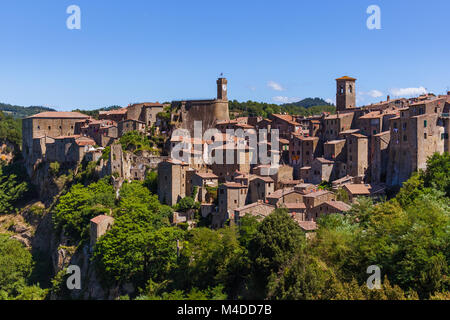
(222,88)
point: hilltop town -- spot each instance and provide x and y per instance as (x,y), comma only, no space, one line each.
(324,162)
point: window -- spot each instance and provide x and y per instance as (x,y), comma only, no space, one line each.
(49,128)
(350,89)
(405,138)
(374,131)
(425,135)
(425,123)
(404,126)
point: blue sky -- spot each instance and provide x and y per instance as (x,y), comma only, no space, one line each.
(272,51)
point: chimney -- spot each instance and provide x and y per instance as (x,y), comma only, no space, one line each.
(388,98)
(448,93)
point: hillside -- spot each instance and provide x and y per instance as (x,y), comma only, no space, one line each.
(306,107)
(308,103)
(19,112)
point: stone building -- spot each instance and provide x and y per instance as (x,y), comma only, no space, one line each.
(326,208)
(286,125)
(303,150)
(144,112)
(260,188)
(104,132)
(322,170)
(380,157)
(231,195)
(114,115)
(356,190)
(313,199)
(357,155)
(415,135)
(172,181)
(68,150)
(208,112)
(334,124)
(129,125)
(203,181)
(335,150)
(346,93)
(98,227)
(46,124)
(258,209)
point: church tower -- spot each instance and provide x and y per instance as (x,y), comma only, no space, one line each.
(222,89)
(345,93)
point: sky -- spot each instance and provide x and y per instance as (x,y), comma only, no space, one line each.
(270,51)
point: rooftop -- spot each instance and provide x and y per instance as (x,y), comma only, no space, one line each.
(342,206)
(358,189)
(59,115)
(346,78)
(307,225)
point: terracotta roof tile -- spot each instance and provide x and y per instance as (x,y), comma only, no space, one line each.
(57,115)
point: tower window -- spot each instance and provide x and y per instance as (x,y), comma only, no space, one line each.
(350,89)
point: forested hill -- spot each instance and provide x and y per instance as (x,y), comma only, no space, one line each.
(19,112)
(306,107)
(308,103)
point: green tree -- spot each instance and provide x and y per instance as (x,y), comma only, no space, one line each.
(437,174)
(151,181)
(210,258)
(16,265)
(12,189)
(278,238)
(77,207)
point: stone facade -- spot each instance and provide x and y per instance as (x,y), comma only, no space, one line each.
(346,93)
(99,226)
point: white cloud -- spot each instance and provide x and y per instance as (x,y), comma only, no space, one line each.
(408,91)
(375,93)
(329,101)
(275,86)
(281,99)
(371,93)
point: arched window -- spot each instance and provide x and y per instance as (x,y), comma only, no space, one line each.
(350,89)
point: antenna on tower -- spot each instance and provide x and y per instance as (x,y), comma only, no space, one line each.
(221,74)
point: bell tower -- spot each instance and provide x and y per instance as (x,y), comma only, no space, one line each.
(345,93)
(222,86)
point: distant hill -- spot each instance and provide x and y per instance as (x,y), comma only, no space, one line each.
(94,113)
(308,103)
(306,107)
(19,112)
